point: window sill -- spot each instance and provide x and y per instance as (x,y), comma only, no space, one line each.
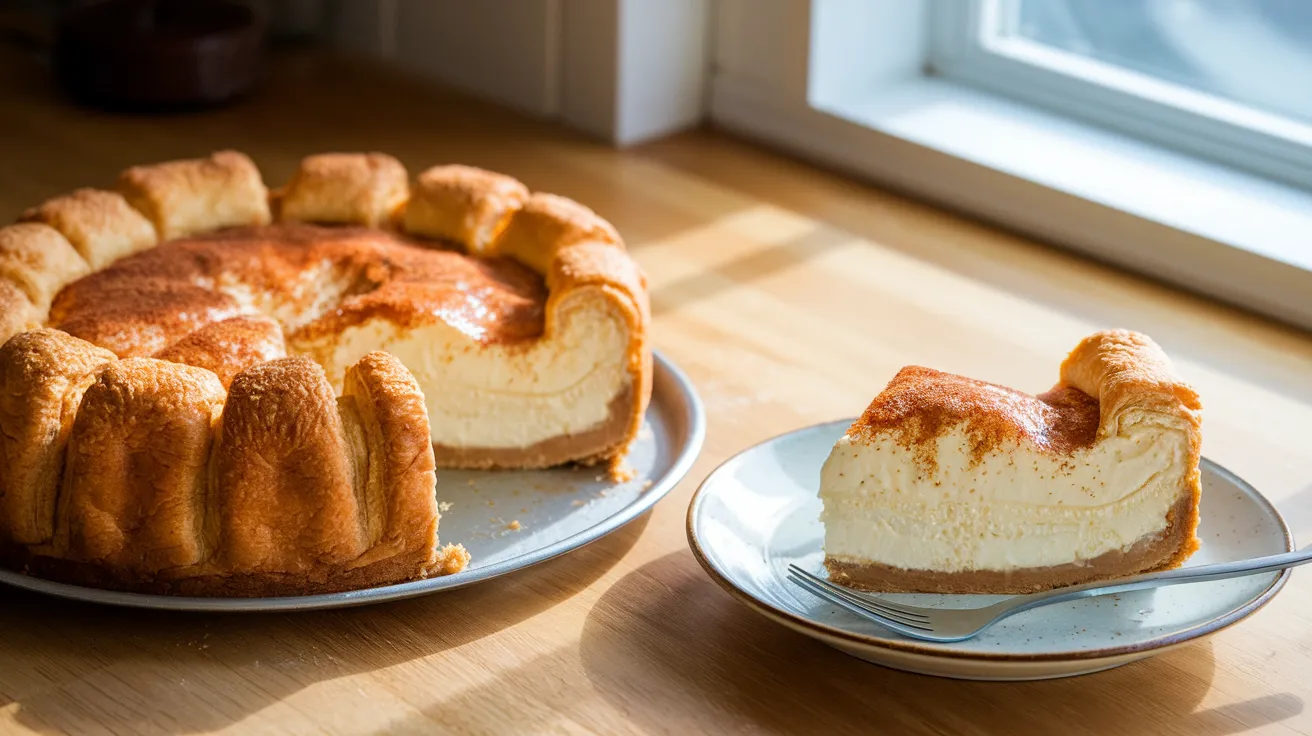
(1201,225)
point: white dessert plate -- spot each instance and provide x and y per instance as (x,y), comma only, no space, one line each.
(759,512)
(508,520)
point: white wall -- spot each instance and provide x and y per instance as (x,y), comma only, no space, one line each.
(622,70)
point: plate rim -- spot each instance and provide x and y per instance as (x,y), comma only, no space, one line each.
(826,633)
(683,399)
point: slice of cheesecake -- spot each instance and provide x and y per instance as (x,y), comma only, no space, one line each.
(951,485)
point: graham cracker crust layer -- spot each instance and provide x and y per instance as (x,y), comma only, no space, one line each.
(601,442)
(1161,551)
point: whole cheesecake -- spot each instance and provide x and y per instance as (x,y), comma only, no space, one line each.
(211,389)
(951,485)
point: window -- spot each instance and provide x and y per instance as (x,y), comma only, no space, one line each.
(1170,137)
(1228,80)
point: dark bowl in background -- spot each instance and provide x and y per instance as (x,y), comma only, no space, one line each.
(159,54)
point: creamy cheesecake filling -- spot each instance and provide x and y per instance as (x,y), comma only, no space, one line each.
(499,395)
(1015,507)
(513,374)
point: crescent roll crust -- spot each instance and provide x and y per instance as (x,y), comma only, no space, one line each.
(547,223)
(286,471)
(133,501)
(17,314)
(39,261)
(1135,381)
(345,188)
(101,225)
(196,195)
(43,374)
(464,204)
(400,508)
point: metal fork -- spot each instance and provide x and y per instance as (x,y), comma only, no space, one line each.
(956,624)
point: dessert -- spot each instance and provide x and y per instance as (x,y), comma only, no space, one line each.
(211,389)
(951,485)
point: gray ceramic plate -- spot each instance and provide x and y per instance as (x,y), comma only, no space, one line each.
(759,512)
(557,511)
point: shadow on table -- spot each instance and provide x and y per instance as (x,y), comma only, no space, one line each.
(665,644)
(72,667)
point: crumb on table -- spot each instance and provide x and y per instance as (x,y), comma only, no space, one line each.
(514,525)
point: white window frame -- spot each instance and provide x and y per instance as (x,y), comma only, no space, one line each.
(1141,105)
(844,82)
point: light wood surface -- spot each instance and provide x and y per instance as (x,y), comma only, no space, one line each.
(790,296)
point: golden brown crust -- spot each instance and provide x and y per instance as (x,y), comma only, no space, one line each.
(101,225)
(343,500)
(37,259)
(229,347)
(467,205)
(197,195)
(43,374)
(345,188)
(549,223)
(133,501)
(1129,373)
(400,503)
(17,314)
(284,496)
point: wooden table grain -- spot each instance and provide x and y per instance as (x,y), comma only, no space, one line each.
(790,296)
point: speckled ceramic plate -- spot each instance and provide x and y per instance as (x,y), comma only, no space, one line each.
(759,512)
(507,520)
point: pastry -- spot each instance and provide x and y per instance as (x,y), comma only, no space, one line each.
(366,189)
(463,204)
(951,485)
(101,225)
(195,196)
(38,261)
(251,407)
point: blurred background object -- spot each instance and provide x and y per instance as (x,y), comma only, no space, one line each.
(158,54)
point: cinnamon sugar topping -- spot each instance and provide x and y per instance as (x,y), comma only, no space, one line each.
(922,404)
(312,279)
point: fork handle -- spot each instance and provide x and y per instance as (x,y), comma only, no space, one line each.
(1202,573)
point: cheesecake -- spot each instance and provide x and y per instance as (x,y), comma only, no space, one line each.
(211,388)
(946,484)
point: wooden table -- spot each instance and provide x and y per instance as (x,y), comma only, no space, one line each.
(790,296)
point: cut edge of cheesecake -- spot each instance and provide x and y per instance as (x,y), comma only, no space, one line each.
(1123,381)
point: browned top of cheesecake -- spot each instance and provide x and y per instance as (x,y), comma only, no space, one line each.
(1107,374)
(921,404)
(312,279)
